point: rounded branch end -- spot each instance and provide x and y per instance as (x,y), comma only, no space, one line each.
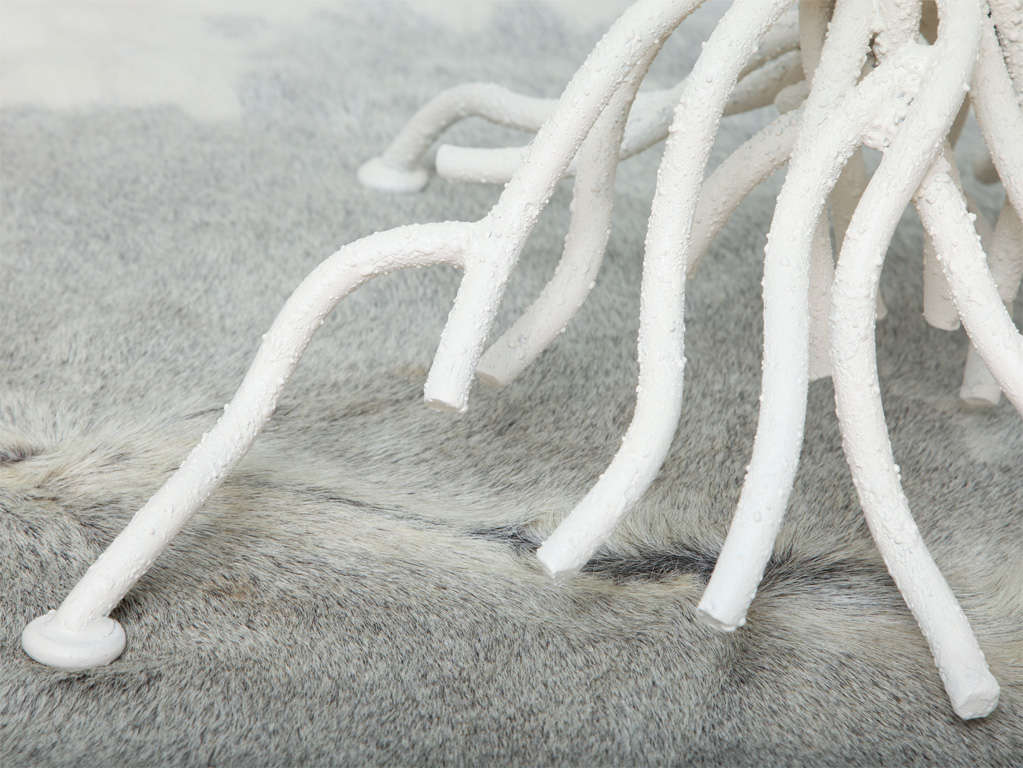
(47,641)
(559,561)
(716,619)
(979,700)
(444,406)
(379,174)
(495,369)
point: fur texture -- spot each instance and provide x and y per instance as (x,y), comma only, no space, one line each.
(362,589)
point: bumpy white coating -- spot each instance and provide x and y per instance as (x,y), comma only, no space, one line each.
(911,106)
(643,26)
(813,25)
(831,129)
(995,96)
(588,232)
(648,123)
(995,100)
(844,199)
(399,168)
(661,334)
(79,631)
(747,166)
(972,689)
(822,273)
(939,308)
(944,214)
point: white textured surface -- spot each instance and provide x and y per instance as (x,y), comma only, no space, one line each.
(662,325)
(361,590)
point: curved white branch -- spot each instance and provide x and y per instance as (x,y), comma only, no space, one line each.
(643,26)
(79,634)
(814,17)
(1004,249)
(781,37)
(749,165)
(649,125)
(661,360)
(844,199)
(994,97)
(399,168)
(1005,255)
(830,131)
(999,117)
(996,106)
(972,689)
(585,242)
(939,310)
(738,175)
(1009,25)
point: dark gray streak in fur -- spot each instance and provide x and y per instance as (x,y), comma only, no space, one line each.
(362,589)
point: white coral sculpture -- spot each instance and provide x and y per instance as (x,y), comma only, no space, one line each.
(893,75)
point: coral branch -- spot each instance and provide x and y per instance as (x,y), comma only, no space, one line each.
(588,232)
(78,634)
(661,359)
(737,176)
(944,214)
(910,105)
(971,688)
(830,131)
(644,25)
(649,124)
(399,169)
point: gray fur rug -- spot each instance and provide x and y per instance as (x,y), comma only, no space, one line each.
(362,590)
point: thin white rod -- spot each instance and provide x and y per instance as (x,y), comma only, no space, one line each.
(759,88)
(980,388)
(649,124)
(155,524)
(588,231)
(943,210)
(645,24)
(998,114)
(738,175)
(939,310)
(1005,256)
(971,688)
(822,274)
(830,131)
(844,199)
(661,337)
(995,103)
(399,167)
(781,37)
(814,17)
(994,96)
(1009,25)
(752,162)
